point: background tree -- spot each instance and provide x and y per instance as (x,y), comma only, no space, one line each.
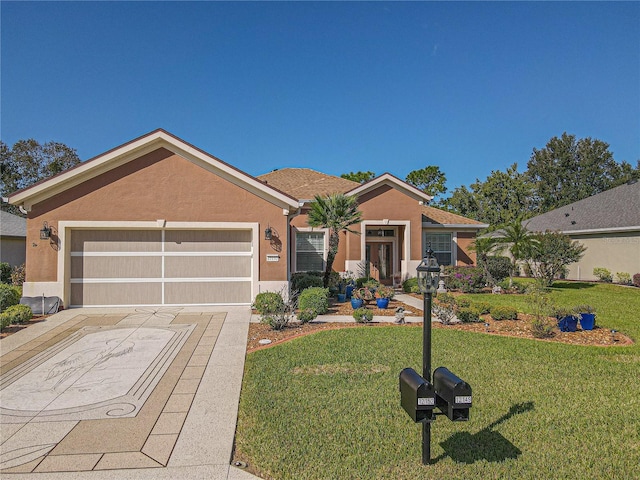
(336,212)
(429,179)
(568,170)
(483,247)
(360,177)
(501,199)
(29,162)
(551,254)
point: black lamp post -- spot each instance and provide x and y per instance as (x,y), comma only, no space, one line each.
(428,278)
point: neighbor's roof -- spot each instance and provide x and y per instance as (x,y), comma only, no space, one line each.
(12,225)
(442,218)
(304,183)
(617,209)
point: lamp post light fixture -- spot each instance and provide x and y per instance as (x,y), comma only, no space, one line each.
(45,232)
(428,279)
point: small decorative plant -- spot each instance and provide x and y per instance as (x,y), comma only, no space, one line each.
(364,294)
(584,309)
(565,312)
(504,312)
(603,274)
(385,292)
(362,315)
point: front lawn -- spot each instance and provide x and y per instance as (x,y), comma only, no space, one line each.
(326,406)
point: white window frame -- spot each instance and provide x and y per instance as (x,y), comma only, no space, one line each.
(325,248)
(453,243)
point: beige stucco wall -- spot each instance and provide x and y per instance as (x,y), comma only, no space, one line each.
(618,252)
(159,185)
(12,250)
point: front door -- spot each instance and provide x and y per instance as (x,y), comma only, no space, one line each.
(380,261)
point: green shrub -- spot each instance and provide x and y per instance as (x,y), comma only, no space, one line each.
(18,274)
(463,302)
(468,314)
(603,274)
(17,314)
(517,286)
(9,295)
(446,299)
(305,316)
(464,279)
(303,280)
(362,315)
(624,278)
(314,298)
(268,302)
(636,279)
(541,328)
(482,307)
(409,284)
(5,272)
(503,312)
(5,321)
(499,267)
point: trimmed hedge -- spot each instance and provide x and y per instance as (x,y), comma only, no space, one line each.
(504,312)
(468,314)
(302,280)
(314,298)
(268,302)
(9,296)
(5,272)
(410,285)
(499,267)
(16,314)
(362,315)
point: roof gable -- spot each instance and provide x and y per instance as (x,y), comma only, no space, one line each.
(611,210)
(135,149)
(393,182)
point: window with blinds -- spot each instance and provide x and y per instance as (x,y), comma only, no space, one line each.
(441,246)
(309,251)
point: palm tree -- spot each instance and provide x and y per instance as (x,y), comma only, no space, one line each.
(336,212)
(519,241)
(484,246)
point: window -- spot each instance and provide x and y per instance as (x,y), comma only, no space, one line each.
(441,246)
(309,251)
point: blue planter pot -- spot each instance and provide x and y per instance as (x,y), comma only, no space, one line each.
(348,291)
(587,321)
(568,324)
(342,297)
(356,303)
(382,302)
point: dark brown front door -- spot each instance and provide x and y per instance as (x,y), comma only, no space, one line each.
(380,261)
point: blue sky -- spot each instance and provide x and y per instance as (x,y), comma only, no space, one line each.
(333,86)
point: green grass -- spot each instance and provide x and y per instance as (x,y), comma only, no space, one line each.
(327,406)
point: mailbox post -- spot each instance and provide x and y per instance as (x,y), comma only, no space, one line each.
(419,396)
(428,277)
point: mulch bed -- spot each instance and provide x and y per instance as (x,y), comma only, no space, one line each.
(520,328)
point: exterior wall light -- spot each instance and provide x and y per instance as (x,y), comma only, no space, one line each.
(268,233)
(45,232)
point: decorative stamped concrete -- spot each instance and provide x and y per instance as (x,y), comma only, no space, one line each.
(103,392)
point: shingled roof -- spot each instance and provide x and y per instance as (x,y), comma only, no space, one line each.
(440,217)
(304,183)
(12,225)
(617,209)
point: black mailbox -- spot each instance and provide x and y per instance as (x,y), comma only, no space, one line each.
(417,396)
(453,394)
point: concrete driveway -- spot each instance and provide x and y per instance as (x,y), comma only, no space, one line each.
(124,393)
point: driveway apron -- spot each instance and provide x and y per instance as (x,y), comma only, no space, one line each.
(104,393)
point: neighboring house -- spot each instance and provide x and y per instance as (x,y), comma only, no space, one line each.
(13,235)
(607,223)
(158,221)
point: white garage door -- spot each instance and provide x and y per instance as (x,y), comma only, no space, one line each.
(161,267)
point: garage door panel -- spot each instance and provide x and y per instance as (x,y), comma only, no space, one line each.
(116,241)
(207,292)
(116,293)
(208,241)
(207,267)
(116,267)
